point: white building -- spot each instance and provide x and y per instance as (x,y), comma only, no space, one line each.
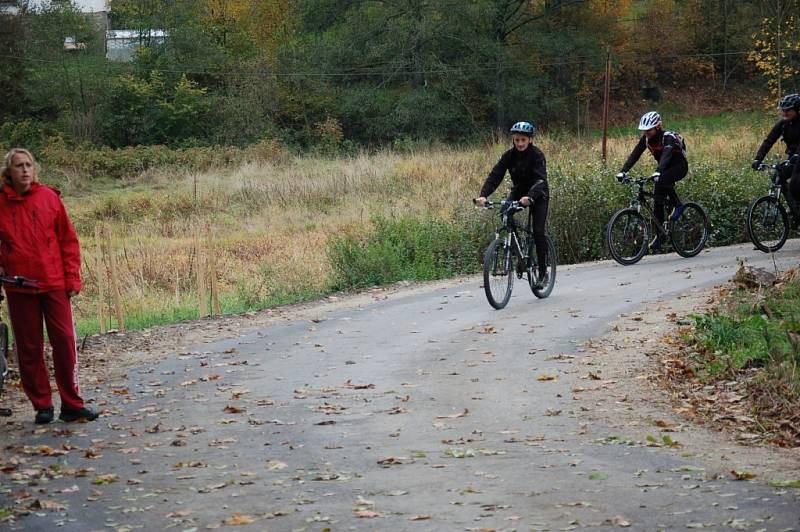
(121,45)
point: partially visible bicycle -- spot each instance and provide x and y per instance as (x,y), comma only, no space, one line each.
(19,282)
(768,222)
(628,233)
(513,254)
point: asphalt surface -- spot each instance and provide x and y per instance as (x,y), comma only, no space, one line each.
(426,410)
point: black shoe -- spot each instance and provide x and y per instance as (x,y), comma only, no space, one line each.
(5,412)
(43,417)
(81,414)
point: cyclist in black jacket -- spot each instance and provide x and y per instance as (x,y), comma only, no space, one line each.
(787,128)
(669,150)
(528,168)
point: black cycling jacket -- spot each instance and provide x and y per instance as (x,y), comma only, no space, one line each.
(528,171)
(667,148)
(789,130)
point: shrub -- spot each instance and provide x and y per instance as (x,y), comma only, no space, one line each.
(406,248)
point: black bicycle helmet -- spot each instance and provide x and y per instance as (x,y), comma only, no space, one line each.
(790,101)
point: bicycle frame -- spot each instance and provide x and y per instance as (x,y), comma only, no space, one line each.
(641,199)
(778,187)
(509,227)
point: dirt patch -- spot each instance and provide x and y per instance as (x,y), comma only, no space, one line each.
(639,401)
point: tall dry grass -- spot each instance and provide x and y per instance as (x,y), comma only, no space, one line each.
(271,220)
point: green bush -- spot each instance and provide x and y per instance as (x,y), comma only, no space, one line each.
(406,248)
(62,162)
(744,335)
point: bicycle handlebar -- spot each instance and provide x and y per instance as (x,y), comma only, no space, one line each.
(636,181)
(503,203)
(18,282)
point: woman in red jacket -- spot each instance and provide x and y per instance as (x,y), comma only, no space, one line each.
(38,241)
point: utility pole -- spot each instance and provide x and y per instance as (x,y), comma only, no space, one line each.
(606,98)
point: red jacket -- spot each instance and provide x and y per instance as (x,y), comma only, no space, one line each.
(37,239)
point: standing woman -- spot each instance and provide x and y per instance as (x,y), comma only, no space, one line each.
(38,241)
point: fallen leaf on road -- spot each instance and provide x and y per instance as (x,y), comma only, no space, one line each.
(44,504)
(619,521)
(349,384)
(545,378)
(367,514)
(419,518)
(105,479)
(453,416)
(233,410)
(239,519)
(742,475)
(460,453)
(275,465)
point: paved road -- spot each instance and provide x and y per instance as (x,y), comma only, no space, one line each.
(421,411)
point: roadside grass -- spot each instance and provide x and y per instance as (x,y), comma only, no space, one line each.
(285,228)
(753,337)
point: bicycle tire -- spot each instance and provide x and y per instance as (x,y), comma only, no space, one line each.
(498,273)
(627,236)
(689,233)
(763,214)
(3,355)
(552,262)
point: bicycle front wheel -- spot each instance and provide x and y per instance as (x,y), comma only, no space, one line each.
(498,273)
(627,236)
(767,224)
(689,233)
(550,275)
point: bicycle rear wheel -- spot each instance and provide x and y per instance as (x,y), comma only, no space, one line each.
(690,232)
(627,236)
(498,273)
(767,224)
(550,276)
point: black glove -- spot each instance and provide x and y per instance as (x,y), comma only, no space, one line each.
(756,165)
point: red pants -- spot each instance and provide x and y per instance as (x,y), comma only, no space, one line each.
(26,312)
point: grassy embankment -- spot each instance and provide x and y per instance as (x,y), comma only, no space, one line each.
(752,338)
(289,228)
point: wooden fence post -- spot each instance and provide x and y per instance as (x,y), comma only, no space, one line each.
(202,292)
(101,281)
(115,288)
(212,259)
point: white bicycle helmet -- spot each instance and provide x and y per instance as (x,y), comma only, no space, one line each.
(649,121)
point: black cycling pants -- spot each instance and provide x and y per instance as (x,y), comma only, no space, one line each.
(537,218)
(794,185)
(665,188)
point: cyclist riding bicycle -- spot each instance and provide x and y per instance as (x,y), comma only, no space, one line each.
(788,129)
(528,169)
(669,150)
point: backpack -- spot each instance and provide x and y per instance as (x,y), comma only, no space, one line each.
(678,138)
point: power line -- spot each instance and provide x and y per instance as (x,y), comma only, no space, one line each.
(370,71)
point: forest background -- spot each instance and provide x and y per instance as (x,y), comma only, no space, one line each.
(320,145)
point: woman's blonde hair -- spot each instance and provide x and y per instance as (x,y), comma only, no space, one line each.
(5,170)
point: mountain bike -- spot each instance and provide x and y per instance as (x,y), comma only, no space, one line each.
(628,231)
(767,220)
(512,254)
(19,282)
